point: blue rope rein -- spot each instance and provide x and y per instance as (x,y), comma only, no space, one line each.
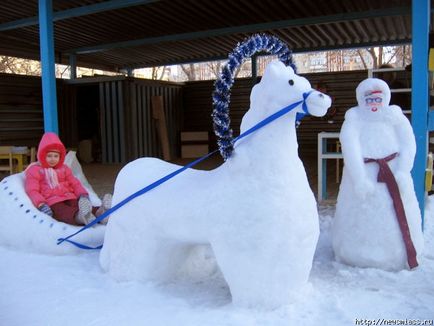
(155,184)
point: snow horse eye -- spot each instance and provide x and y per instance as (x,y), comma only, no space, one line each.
(291,82)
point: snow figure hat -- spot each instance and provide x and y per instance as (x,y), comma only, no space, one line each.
(373,87)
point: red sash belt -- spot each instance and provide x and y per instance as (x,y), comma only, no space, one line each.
(386,176)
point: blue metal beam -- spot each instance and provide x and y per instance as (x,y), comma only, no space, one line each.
(397,11)
(76,12)
(48,66)
(419,97)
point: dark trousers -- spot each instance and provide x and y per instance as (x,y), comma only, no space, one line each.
(65,211)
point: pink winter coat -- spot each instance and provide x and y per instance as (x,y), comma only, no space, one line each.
(41,184)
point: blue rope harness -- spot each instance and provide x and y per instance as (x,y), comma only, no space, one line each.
(155,184)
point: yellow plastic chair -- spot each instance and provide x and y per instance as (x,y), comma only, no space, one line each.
(31,157)
(6,161)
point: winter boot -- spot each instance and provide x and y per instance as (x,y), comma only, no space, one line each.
(84,214)
(106,205)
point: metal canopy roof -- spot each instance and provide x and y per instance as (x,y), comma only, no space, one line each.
(131,34)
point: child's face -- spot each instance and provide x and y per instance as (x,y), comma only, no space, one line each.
(52,158)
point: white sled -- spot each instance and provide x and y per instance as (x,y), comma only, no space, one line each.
(24,227)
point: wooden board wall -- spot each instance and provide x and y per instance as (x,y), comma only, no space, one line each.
(21,116)
(21,112)
(128,119)
(142,139)
(128,130)
(67,114)
(112,110)
(340,86)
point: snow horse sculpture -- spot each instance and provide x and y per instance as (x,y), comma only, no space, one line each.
(256,210)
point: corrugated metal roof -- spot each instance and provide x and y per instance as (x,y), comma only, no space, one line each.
(176,31)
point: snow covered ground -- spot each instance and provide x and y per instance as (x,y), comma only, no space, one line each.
(39,290)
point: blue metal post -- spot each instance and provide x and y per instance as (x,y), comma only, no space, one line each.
(419,99)
(48,65)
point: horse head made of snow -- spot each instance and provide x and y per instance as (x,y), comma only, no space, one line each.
(280,86)
(256,210)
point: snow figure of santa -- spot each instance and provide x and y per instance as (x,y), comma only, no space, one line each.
(377,222)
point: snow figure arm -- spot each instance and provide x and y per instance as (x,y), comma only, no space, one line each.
(407,147)
(352,153)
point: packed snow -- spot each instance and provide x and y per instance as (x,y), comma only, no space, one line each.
(256,210)
(44,290)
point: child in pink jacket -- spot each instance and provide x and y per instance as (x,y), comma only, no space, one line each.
(54,190)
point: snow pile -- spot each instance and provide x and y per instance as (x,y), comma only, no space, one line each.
(366,230)
(39,290)
(256,211)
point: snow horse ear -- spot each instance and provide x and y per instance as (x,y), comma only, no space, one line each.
(221,94)
(272,71)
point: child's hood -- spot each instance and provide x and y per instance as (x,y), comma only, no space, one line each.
(50,142)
